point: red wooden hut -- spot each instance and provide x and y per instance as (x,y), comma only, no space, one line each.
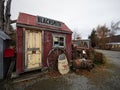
(36,38)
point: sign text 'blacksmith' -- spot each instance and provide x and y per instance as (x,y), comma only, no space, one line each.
(47,21)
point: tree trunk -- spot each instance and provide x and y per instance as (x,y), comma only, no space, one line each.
(2,14)
(7,17)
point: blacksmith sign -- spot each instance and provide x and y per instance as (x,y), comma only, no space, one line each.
(47,21)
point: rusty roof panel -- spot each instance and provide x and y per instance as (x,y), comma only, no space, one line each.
(27,19)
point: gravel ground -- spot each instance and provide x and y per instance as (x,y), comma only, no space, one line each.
(102,77)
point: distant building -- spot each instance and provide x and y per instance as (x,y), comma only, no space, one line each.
(113,46)
(113,43)
(83,44)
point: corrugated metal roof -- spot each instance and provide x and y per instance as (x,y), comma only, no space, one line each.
(3,35)
(30,20)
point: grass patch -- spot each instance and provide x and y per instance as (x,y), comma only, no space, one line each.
(97,63)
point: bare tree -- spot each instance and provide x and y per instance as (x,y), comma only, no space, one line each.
(102,33)
(76,35)
(114,28)
(5,14)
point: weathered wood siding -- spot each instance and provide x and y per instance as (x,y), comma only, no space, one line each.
(19,61)
(33,49)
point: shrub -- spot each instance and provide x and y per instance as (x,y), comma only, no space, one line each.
(97,57)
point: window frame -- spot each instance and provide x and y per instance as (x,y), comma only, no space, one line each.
(58,36)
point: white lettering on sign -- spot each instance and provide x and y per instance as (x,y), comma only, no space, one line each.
(47,21)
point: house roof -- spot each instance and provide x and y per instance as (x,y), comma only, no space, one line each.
(76,41)
(3,35)
(115,38)
(31,20)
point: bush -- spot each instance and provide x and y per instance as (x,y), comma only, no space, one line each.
(97,57)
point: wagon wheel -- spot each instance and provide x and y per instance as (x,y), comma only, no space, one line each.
(52,58)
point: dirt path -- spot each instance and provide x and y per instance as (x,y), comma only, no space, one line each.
(112,56)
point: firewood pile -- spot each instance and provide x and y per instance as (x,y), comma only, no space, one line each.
(82,64)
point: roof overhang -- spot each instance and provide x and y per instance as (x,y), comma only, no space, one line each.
(40,28)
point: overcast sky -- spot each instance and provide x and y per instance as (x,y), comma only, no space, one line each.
(80,15)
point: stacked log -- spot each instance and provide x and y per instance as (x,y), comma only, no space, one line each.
(82,64)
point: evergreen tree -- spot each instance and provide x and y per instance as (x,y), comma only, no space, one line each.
(93,38)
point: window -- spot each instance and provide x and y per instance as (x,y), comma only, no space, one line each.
(112,46)
(118,46)
(58,41)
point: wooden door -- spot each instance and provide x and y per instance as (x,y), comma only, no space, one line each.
(33,49)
